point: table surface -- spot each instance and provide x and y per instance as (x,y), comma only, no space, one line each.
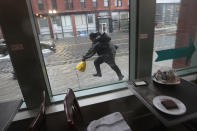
(185,92)
(8,110)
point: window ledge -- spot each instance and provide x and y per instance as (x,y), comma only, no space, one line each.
(83,101)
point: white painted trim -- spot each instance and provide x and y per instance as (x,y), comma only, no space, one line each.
(168,1)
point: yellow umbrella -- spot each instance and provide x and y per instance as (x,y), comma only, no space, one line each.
(81,66)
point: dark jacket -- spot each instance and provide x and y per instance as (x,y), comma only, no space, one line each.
(102,46)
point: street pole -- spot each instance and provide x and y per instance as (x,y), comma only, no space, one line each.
(51,13)
(62,27)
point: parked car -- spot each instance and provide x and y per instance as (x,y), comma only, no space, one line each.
(48,45)
(44,45)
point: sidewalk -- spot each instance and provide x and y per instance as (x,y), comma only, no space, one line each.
(64,76)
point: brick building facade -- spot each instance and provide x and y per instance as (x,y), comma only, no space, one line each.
(66,18)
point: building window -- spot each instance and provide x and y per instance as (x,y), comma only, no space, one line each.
(80,19)
(106,4)
(90,19)
(71,4)
(82,3)
(94,3)
(57,20)
(68,4)
(54,4)
(40,5)
(116,3)
(43,22)
(120,3)
(66,21)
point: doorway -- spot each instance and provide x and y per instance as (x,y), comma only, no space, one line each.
(103,27)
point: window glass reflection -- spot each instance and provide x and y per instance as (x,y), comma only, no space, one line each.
(175,35)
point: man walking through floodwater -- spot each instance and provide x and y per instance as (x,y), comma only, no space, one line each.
(106,53)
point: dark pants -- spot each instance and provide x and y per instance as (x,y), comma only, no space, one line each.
(110,62)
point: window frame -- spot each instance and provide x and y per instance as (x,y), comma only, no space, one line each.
(68,4)
(116,3)
(119,3)
(40,5)
(136,45)
(54,4)
(82,4)
(40,24)
(92,18)
(94,3)
(106,5)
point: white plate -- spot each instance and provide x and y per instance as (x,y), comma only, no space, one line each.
(166,83)
(179,111)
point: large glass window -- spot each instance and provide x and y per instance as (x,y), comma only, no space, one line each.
(66,21)
(115,21)
(43,28)
(70,51)
(57,27)
(67,26)
(43,22)
(124,21)
(80,19)
(175,36)
(90,18)
(64,41)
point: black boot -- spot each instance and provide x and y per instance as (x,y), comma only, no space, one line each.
(97,74)
(97,63)
(120,77)
(118,72)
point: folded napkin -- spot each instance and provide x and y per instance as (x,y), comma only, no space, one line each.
(112,122)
